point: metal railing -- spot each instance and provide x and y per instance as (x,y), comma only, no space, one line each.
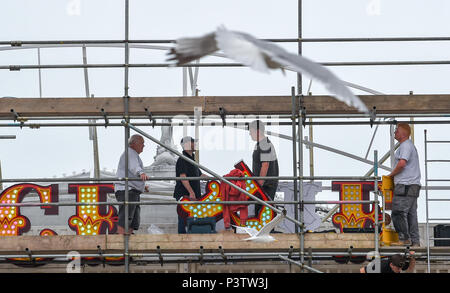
(427,199)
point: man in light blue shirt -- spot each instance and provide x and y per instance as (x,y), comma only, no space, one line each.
(406,176)
(135,188)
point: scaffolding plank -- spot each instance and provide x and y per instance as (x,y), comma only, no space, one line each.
(51,244)
(233,105)
(178,242)
(236,242)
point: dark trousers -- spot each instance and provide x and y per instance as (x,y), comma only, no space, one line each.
(270,192)
(404,218)
(181,225)
(134,211)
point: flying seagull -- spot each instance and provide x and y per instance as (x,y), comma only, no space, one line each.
(261,56)
(262,235)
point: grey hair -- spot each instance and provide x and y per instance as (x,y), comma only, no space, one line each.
(134,138)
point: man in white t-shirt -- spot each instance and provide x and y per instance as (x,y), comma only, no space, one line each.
(135,188)
(406,175)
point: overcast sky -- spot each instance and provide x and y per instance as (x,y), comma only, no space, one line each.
(49,152)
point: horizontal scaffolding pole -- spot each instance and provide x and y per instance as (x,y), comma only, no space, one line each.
(214,124)
(279,116)
(194,202)
(217,255)
(19,43)
(169,65)
(161,178)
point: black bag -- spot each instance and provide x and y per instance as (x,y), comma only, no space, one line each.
(201,225)
(441,231)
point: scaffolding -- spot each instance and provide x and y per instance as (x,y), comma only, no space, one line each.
(297,116)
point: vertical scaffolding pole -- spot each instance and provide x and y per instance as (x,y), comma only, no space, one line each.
(294,153)
(377,224)
(39,71)
(299,26)
(427,228)
(127,135)
(300,136)
(392,144)
(300,168)
(92,129)
(311,151)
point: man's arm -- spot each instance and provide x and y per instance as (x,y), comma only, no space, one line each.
(263,172)
(412,263)
(398,168)
(204,175)
(188,187)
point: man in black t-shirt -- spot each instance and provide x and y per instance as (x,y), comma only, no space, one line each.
(265,162)
(393,264)
(187,188)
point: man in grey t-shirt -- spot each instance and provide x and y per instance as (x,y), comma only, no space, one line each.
(406,176)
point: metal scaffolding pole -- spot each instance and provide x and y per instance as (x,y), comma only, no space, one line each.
(228,123)
(331,123)
(126,137)
(161,178)
(376,232)
(300,173)
(276,40)
(294,152)
(223,64)
(427,225)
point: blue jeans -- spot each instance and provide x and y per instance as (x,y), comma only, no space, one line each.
(181,225)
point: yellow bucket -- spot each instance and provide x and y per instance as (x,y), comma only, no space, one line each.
(389,236)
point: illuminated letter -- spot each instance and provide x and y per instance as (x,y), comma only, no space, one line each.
(12,223)
(93,219)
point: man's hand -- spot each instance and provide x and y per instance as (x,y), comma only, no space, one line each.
(260,182)
(144,177)
(192,196)
(146,188)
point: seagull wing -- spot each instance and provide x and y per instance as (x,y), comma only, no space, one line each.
(261,55)
(237,47)
(189,49)
(316,71)
(271,225)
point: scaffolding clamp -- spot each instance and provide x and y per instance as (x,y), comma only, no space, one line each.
(18,118)
(150,117)
(201,255)
(349,251)
(158,250)
(291,250)
(105,115)
(223,114)
(30,254)
(373,115)
(16,43)
(222,252)
(100,252)
(14,68)
(303,111)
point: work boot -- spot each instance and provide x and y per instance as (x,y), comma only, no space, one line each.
(401,243)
